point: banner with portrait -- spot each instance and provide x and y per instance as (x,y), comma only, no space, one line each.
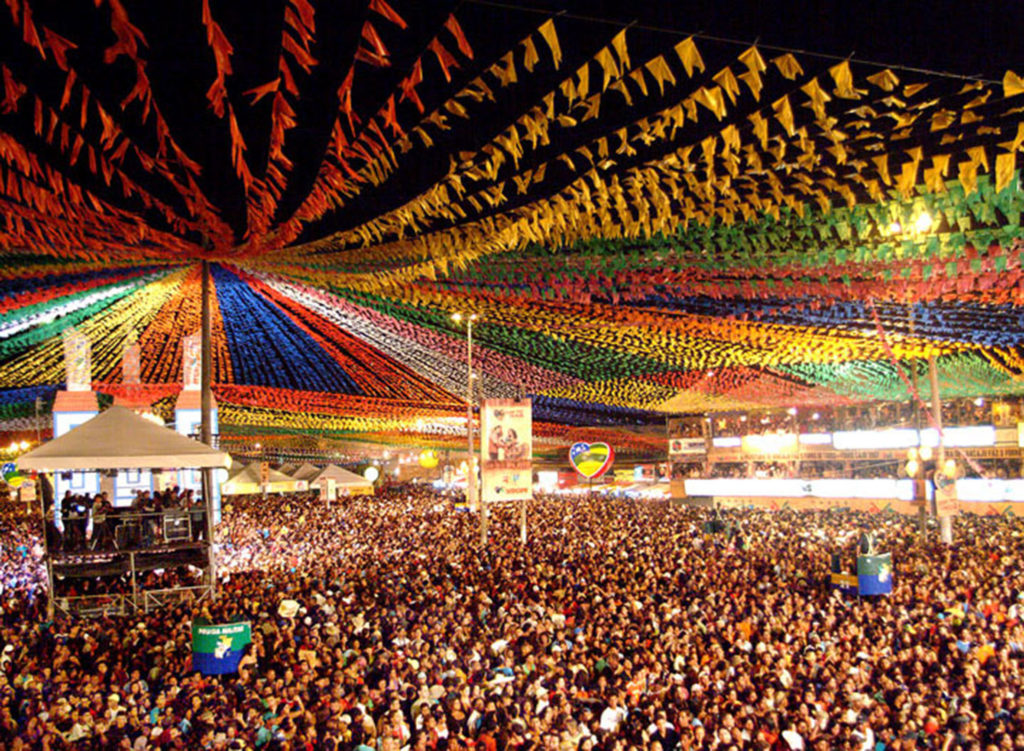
(506,450)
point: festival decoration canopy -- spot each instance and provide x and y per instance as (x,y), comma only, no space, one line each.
(644,216)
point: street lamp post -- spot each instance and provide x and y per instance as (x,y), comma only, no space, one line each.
(263,469)
(472,497)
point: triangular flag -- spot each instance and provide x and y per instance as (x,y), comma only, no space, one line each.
(1012,84)
(661,72)
(1005,164)
(886,80)
(784,114)
(788,66)
(547,30)
(619,45)
(689,56)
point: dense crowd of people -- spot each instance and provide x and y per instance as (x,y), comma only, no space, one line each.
(618,626)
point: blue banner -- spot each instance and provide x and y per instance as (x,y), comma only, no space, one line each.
(217,647)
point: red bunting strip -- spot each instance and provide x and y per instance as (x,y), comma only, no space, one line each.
(297,35)
(222,51)
(335,183)
(113,141)
(49,191)
(326,403)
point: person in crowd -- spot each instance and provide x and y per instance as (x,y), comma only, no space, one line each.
(619,625)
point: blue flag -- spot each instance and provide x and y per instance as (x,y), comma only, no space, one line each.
(217,647)
(874,574)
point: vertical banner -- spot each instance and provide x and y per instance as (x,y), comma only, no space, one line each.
(77,360)
(945,497)
(217,648)
(191,361)
(506,450)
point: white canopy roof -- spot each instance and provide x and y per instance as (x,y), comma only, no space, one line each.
(121,439)
(248,480)
(306,472)
(342,477)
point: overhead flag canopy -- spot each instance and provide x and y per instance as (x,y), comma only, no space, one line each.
(644,215)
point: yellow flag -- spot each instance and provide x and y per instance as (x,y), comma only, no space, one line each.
(818,97)
(530,58)
(728,82)
(547,30)
(907,179)
(753,80)
(882,164)
(689,56)
(753,60)
(784,114)
(619,45)
(638,76)
(886,80)
(978,157)
(933,180)
(968,176)
(1019,140)
(731,137)
(843,77)
(608,65)
(713,99)
(507,75)
(593,107)
(583,84)
(661,72)
(1005,164)
(1012,84)
(788,66)
(760,128)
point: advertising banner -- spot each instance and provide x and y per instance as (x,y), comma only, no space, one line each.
(506,450)
(682,446)
(217,647)
(779,487)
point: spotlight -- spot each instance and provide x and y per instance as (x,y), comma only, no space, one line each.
(924,222)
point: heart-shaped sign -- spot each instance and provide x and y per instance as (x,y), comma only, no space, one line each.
(591,459)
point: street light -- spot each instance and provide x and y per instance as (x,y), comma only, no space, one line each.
(471,493)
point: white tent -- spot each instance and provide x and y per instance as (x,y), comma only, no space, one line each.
(248,482)
(121,439)
(343,481)
(306,472)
